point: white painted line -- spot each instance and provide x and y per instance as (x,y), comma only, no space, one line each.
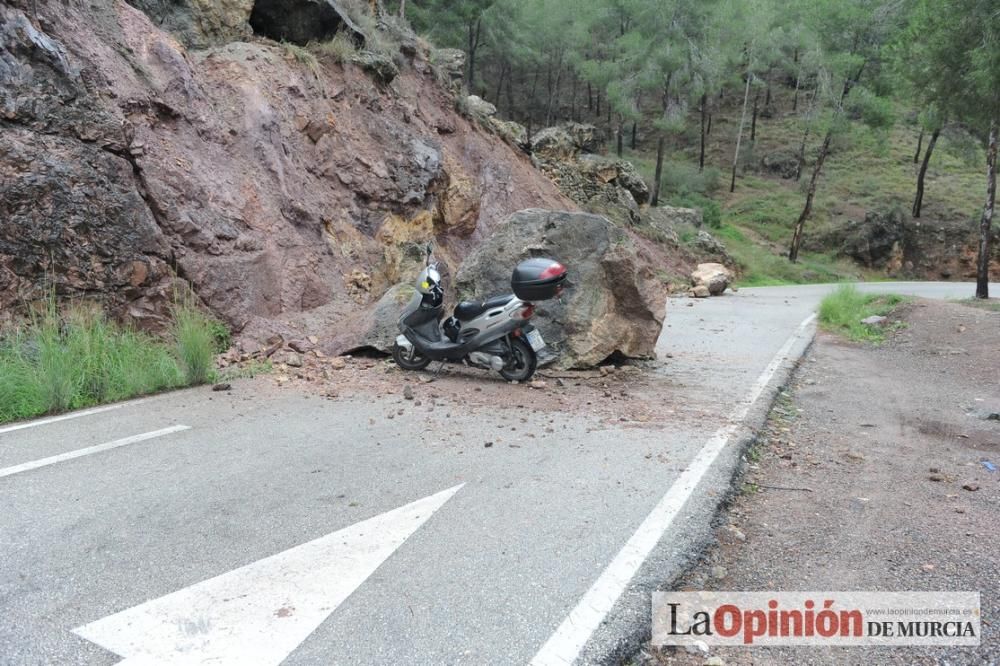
(564,646)
(258,614)
(52,460)
(71,415)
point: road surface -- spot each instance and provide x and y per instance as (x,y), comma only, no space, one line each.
(263,527)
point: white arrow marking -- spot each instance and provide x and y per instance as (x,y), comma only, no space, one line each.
(259,614)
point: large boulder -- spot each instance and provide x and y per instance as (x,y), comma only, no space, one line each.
(713,277)
(565,141)
(614,305)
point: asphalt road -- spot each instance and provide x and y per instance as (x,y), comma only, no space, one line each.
(580,521)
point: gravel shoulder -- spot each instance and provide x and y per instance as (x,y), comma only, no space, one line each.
(870,476)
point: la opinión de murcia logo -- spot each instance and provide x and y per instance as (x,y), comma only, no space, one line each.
(816,618)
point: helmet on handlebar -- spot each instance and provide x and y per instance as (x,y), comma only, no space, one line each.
(429,281)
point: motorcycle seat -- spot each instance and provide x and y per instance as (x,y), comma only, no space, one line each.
(469,310)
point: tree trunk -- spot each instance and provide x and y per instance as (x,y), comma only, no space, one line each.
(572,100)
(739,137)
(920,144)
(620,132)
(701,155)
(753,123)
(503,75)
(709,130)
(590,97)
(655,200)
(635,130)
(795,100)
(793,253)
(802,155)
(510,93)
(919,199)
(474,28)
(402,9)
(986,222)
(598,112)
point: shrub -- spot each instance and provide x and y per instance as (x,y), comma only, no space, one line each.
(711,211)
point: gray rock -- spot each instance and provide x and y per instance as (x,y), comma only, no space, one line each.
(479,108)
(700,291)
(781,163)
(874,320)
(669,217)
(565,141)
(382,327)
(613,302)
(379,65)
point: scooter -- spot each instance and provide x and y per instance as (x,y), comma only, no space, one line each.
(493,334)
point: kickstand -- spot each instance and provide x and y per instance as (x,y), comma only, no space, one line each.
(439,369)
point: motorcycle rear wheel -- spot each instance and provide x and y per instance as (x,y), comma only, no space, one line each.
(409,359)
(522,364)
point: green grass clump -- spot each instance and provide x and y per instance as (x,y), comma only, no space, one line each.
(341,48)
(195,342)
(301,55)
(842,311)
(60,360)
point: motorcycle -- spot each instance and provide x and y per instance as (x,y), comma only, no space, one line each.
(494,334)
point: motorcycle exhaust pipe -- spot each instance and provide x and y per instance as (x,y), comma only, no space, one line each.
(494,362)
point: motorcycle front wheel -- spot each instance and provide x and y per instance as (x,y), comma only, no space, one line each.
(409,359)
(520,363)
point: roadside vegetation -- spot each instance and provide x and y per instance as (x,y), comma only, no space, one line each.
(70,358)
(843,311)
(990,304)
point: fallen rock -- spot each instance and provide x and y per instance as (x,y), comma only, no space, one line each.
(701,291)
(301,346)
(971,487)
(292,360)
(375,328)
(714,277)
(874,320)
(613,303)
(408,392)
(222,386)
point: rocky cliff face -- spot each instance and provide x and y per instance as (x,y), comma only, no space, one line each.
(134,161)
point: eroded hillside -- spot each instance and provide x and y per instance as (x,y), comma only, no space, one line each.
(270,182)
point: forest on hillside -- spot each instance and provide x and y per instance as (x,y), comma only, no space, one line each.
(650,71)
